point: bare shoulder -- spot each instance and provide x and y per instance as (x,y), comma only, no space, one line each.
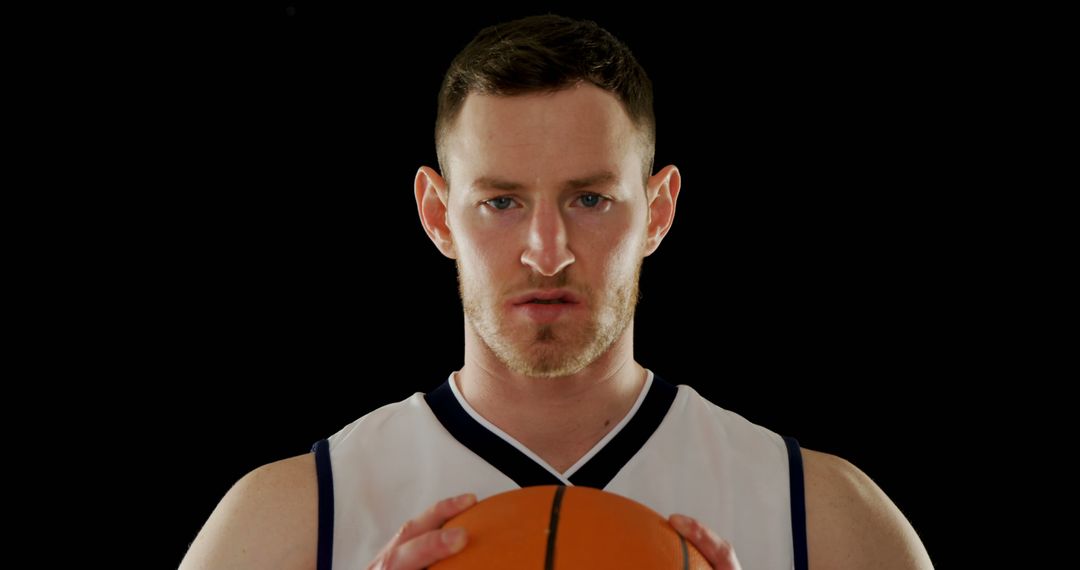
(269,519)
(851,523)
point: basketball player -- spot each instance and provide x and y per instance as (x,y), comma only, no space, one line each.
(547,199)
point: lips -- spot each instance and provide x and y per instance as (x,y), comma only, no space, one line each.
(546,296)
(547,306)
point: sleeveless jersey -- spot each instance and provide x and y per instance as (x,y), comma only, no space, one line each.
(675,452)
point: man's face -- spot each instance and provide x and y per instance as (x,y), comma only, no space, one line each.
(547,193)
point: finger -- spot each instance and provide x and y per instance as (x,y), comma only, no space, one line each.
(716,550)
(427,549)
(434,517)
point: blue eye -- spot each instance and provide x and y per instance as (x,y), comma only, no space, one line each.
(591,200)
(500,203)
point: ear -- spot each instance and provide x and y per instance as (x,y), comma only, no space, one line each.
(432,197)
(662,193)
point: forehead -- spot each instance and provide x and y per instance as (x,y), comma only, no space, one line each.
(543,137)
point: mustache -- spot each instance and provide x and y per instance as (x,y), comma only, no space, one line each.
(533,281)
(558,281)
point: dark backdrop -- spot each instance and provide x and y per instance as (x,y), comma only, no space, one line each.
(811,281)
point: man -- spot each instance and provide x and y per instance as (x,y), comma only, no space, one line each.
(547,201)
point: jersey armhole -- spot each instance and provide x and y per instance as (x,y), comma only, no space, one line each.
(325,476)
(798,503)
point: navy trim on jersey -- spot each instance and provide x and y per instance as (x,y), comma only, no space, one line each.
(597,473)
(490,447)
(606,464)
(325,476)
(798,503)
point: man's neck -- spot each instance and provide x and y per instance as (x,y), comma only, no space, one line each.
(559,419)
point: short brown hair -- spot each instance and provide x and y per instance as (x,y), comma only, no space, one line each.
(546,53)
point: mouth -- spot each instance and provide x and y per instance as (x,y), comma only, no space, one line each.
(547,297)
(546,306)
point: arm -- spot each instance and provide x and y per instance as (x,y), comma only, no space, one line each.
(269,519)
(851,523)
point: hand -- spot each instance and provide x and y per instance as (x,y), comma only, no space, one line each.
(716,550)
(420,543)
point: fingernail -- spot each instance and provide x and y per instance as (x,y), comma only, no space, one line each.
(454,538)
(466,499)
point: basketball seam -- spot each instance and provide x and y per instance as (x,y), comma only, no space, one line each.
(553,527)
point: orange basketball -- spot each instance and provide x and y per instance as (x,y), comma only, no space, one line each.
(568,528)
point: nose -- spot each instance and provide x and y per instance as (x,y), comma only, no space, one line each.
(547,251)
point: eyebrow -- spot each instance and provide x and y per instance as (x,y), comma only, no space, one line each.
(493,183)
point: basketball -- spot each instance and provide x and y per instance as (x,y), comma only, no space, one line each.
(568,528)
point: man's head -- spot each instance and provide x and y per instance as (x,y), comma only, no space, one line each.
(546,54)
(547,192)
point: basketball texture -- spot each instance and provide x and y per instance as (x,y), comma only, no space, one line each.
(568,528)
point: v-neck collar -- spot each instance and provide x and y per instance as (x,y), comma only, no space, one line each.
(525,467)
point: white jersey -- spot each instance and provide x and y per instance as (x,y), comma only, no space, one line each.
(675,452)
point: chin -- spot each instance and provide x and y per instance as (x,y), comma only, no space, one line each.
(545,368)
(547,358)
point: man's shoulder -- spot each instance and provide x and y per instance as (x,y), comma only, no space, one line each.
(696,407)
(268,519)
(394,417)
(283,482)
(851,522)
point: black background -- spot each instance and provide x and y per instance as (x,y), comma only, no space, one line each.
(816,281)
